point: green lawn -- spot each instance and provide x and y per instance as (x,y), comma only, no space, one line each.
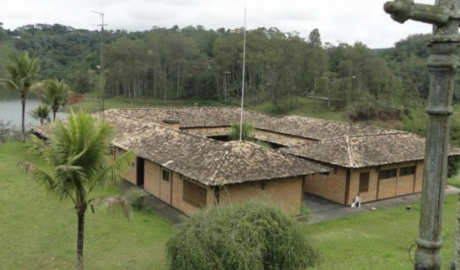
(307,107)
(39,232)
(378,240)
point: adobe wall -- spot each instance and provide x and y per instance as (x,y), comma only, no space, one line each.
(285,193)
(331,187)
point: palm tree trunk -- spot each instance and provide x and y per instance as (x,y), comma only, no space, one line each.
(23,101)
(54,115)
(80,236)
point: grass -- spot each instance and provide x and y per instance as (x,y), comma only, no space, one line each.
(454,181)
(306,107)
(39,232)
(379,239)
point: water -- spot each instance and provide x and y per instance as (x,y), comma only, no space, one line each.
(11,109)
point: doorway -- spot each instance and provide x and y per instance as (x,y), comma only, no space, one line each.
(140,172)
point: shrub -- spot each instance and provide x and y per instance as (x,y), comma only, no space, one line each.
(247,134)
(252,236)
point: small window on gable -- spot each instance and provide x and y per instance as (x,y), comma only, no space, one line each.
(194,194)
(407,171)
(165,175)
(390,173)
(364,182)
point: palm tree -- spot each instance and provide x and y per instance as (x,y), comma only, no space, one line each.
(79,153)
(56,93)
(22,75)
(42,113)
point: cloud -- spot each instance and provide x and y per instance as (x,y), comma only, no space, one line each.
(348,21)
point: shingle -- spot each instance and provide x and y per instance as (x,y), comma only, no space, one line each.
(365,151)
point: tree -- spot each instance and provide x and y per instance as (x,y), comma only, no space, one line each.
(79,155)
(248,236)
(42,113)
(315,38)
(56,94)
(247,134)
(22,75)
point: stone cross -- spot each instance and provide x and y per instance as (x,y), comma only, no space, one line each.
(442,65)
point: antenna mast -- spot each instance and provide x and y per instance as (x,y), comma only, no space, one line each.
(101,67)
(242,87)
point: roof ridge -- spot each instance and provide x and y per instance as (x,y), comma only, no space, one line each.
(221,161)
(347,140)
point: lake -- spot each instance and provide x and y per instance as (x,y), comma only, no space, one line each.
(10,108)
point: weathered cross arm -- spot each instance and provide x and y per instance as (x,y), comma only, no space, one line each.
(403,10)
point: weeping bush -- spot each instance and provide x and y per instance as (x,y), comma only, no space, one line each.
(248,236)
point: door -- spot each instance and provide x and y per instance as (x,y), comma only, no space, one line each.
(140,172)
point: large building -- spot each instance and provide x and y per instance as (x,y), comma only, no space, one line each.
(184,158)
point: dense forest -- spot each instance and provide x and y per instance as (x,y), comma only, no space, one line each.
(194,62)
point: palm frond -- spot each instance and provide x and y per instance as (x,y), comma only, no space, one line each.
(114,172)
(25,166)
(116,204)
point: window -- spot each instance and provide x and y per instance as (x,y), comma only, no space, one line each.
(166,175)
(112,150)
(194,194)
(407,171)
(390,173)
(364,182)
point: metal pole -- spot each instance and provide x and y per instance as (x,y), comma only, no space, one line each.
(244,66)
(442,65)
(102,67)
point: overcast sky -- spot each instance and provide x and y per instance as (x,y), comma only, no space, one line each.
(337,20)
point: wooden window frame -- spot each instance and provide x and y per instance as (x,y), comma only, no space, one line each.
(408,170)
(385,174)
(194,194)
(364,182)
(163,172)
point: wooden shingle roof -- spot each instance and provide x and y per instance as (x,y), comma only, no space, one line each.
(365,151)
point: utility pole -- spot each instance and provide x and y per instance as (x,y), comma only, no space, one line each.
(225,85)
(101,66)
(442,65)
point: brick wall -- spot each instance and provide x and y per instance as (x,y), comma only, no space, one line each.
(285,193)
(131,173)
(386,188)
(278,138)
(152,178)
(177,194)
(331,187)
(371,194)
(419,176)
